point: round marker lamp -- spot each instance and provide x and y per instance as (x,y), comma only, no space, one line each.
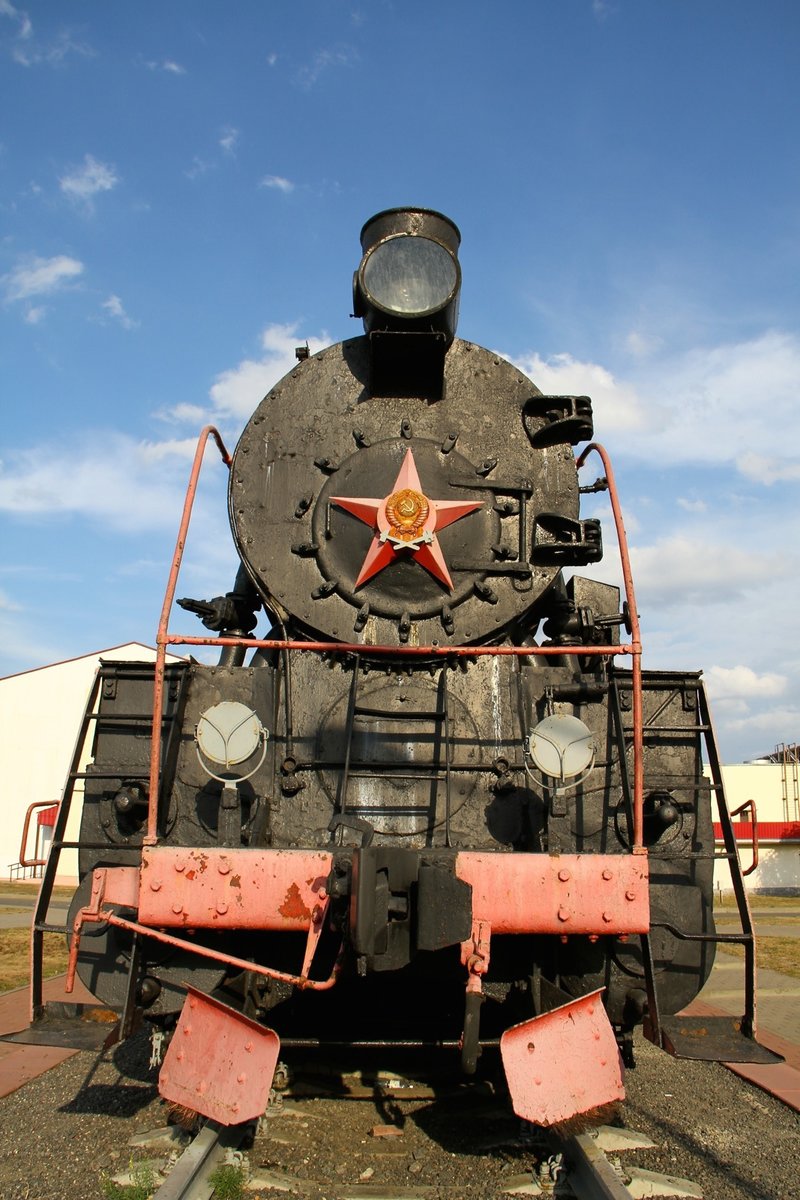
(562,748)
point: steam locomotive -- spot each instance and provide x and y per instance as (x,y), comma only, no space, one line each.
(439,802)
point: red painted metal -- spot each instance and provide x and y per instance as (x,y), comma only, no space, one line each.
(32,862)
(536,1052)
(161,640)
(229,960)
(219,1063)
(206,887)
(48,815)
(750,806)
(635,646)
(562,894)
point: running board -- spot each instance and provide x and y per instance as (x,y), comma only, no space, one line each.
(713,1039)
(70,1027)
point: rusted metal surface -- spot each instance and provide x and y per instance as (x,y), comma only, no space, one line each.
(750,806)
(219,1062)
(233,888)
(161,640)
(192,947)
(536,1052)
(636,641)
(23,860)
(561,894)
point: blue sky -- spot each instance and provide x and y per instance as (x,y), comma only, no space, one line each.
(181,190)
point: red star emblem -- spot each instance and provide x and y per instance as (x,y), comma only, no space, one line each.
(405,522)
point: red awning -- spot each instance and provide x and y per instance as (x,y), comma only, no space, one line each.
(47,816)
(768,831)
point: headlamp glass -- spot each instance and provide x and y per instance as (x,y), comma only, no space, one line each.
(409,275)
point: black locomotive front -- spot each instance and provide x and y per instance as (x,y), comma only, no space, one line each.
(428,805)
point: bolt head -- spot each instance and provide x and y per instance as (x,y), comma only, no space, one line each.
(563,875)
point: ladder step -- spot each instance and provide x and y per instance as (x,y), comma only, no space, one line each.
(393,714)
(713,1039)
(70,1026)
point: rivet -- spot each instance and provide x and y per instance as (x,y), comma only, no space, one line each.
(179,1056)
(563,914)
(235,1108)
(608,918)
(180,865)
(241,1078)
(630,895)
(594,937)
(155,885)
(177,909)
(187,1029)
(222,908)
(223,867)
(563,875)
(192,1002)
(248,1046)
(608,874)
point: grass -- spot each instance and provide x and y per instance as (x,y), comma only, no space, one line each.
(14,957)
(728,900)
(228,1182)
(29,888)
(141,1187)
(780,954)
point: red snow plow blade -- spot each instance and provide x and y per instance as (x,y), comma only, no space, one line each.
(562,1063)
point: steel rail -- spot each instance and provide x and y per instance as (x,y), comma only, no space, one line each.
(590,1174)
(189,1178)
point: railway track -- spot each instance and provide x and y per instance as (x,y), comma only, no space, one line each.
(594,1165)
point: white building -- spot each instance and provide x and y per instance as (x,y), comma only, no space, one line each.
(40,717)
(775,789)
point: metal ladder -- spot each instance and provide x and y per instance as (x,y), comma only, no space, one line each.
(355,815)
(711,1038)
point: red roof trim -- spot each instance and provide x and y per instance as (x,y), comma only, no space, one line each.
(768,831)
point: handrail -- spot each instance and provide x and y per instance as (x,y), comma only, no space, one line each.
(32,862)
(751,804)
(164,638)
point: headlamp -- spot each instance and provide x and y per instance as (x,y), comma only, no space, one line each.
(409,278)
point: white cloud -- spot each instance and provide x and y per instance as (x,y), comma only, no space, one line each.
(25,29)
(272,59)
(692,506)
(702,406)
(114,307)
(199,167)
(561,374)
(237,392)
(683,569)
(740,682)
(167,65)
(29,53)
(87,181)
(84,480)
(278,182)
(762,468)
(40,276)
(35,314)
(642,345)
(323,60)
(229,139)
